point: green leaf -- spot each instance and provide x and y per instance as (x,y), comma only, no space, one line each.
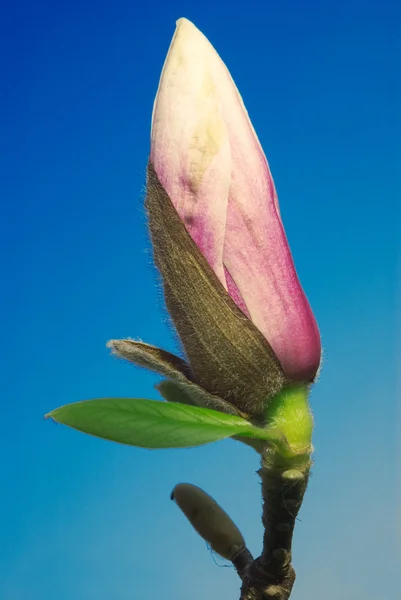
(152,424)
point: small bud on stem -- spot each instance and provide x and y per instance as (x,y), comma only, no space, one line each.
(208,518)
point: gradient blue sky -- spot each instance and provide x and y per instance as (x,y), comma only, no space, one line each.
(85,519)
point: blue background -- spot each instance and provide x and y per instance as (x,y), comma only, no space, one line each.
(81,518)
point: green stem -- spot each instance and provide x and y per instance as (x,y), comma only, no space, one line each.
(284,482)
(283,488)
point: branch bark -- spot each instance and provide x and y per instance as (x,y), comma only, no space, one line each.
(284,482)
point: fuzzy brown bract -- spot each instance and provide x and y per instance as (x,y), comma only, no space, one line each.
(229,356)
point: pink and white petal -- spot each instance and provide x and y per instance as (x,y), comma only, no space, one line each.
(235,293)
(256,252)
(190,147)
(264,273)
(258,258)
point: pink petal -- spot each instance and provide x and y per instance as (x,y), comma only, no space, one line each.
(190,148)
(256,251)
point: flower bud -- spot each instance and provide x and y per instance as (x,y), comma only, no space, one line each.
(210,164)
(208,518)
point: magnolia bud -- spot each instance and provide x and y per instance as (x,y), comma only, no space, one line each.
(209,161)
(208,518)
